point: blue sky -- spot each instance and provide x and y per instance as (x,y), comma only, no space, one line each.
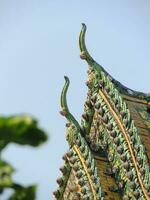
(39,45)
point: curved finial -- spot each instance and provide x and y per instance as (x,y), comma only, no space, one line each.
(98,68)
(63,97)
(65,110)
(84,53)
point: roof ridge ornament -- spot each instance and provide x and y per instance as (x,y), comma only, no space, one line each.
(98,68)
(84,52)
(64,106)
(85,55)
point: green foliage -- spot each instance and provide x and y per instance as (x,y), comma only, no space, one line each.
(24,193)
(23,130)
(6,171)
(20,129)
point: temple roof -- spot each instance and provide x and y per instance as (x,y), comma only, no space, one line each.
(120,120)
(122,89)
(139,101)
(109,151)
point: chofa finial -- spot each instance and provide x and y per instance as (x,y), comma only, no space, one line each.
(65,110)
(84,53)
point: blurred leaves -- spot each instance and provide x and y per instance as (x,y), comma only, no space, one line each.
(23,130)
(5,175)
(24,193)
(20,129)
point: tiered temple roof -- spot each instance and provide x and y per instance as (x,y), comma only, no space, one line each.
(109,151)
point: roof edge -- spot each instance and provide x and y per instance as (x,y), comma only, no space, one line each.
(85,55)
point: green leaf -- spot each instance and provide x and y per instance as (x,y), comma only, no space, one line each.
(6,171)
(23,130)
(24,193)
(20,129)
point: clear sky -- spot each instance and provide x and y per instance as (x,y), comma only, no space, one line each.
(39,45)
